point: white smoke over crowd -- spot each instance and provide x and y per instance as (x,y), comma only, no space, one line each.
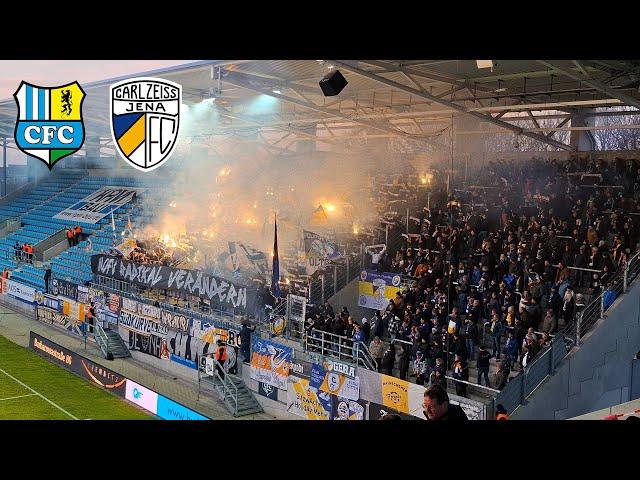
(221,189)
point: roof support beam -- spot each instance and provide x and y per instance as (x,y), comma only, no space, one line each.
(601,87)
(233,80)
(560,125)
(454,106)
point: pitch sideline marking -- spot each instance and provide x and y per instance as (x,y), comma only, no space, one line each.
(38,394)
(19,396)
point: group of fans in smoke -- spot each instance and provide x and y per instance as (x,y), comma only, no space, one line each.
(499,280)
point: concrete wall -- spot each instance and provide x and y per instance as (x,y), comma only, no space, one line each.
(166,366)
(348,297)
(272,407)
(596,376)
(623,408)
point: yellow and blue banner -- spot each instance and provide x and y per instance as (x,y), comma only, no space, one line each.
(376,289)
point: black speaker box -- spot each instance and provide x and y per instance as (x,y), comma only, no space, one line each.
(333,83)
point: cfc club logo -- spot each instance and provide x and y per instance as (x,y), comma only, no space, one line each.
(145,119)
(49,126)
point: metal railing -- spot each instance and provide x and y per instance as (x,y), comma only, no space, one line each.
(296,313)
(520,387)
(344,348)
(227,390)
(334,277)
(101,338)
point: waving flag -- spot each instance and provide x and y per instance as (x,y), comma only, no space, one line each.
(319,215)
(257,258)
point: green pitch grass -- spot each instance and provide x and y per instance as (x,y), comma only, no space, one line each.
(53,393)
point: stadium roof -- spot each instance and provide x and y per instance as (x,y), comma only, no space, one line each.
(414,99)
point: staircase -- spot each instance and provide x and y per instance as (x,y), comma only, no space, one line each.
(110,342)
(247,403)
(233,392)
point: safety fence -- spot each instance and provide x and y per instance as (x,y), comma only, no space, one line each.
(334,277)
(519,388)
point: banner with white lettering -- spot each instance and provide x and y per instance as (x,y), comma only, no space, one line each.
(98,205)
(53,317)
(149,344)
(319,251)
(140,324)
(64,289)
(23,292)
(83,294)
(270,362)
(192,282)
(171,320)
(332,377)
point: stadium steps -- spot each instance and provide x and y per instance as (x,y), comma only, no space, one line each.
(247,403)
(116,345)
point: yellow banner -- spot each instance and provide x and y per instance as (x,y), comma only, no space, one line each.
(390,292)
(304,402)
(395,393)
(365,288)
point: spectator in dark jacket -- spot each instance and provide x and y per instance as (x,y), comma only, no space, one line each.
(376,325)
(502,375)
(388,360)
(366,330)
(511,348)
(404,362)
(245,341)
(470,334)
(483,365)
(460,372)
(496,330)
(437,407)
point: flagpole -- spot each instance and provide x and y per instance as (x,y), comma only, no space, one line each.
(113,227)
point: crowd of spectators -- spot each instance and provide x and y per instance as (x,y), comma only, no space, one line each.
(508,263)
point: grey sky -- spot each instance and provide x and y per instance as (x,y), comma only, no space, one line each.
(57,72)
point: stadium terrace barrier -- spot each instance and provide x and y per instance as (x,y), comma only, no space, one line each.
(224,320)
(8,226)
(50,247)
(121,386)
(519,388)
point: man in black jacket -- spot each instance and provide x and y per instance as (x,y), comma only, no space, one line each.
(437,407)
(245,341)
(483,365)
